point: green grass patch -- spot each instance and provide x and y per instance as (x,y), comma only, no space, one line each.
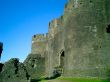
(43,81)
(65,79)
(82,79)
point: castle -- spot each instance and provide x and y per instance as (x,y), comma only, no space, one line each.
(77,43)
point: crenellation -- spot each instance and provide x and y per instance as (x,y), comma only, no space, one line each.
(39,38)
(55,26)
(39,44)
(68,7)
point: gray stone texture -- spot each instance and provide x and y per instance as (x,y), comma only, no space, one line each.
(85,39)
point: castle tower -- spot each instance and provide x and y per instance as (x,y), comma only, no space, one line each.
(55,45)
(55,26)
(87,39)
(39,42)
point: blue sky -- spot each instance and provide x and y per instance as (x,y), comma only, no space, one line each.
(21,19)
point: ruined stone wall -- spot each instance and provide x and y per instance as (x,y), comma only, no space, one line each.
(35,62)
(39,43)
(55,45)
(86,39)
(82,34)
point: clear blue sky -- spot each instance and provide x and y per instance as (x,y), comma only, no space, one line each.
(21,19)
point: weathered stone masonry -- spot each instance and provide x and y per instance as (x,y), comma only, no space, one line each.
(83,35)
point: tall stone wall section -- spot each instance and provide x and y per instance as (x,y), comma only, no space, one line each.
(35,62)
(83,35)
(87,39)
(39,42)
(55,45)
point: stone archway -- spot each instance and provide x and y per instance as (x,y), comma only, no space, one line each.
(58,70)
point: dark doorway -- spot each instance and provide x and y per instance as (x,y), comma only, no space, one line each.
(108,29)
(62,59)
(58,71)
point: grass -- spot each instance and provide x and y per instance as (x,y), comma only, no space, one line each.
(63,79)
(82,80)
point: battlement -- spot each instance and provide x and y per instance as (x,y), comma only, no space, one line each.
(55,26)
(69,6)
(72,4)
(56,22)
(39,38)
(39,44)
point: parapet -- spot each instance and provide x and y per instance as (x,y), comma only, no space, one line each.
(55,26)
(56,22)
(39,38)
(69,6)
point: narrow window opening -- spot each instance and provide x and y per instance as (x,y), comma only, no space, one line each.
(100,47)
(80,3)
(32,66)
(9,76)
(34,36)
(90,1)
(62,54)
(108,29)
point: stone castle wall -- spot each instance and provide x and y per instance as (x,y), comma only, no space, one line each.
(87,40)
(82,33)
(35,62)
(39,42)
(55,45)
